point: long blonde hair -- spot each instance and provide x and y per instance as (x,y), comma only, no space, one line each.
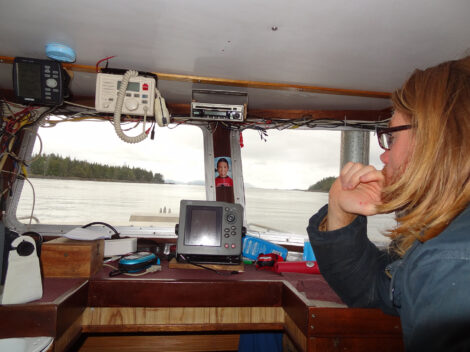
(434,188)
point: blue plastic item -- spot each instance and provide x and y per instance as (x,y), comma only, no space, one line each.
(253,246)
(60,52)
(308,255)
(137,262)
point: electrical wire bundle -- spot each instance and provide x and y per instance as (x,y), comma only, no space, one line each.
(15,119)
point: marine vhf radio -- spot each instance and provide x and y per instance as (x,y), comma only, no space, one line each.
(130,92)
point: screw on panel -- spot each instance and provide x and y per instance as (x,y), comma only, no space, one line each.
(312,327)
(313,315)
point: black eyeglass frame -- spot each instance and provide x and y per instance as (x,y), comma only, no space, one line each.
(387,133)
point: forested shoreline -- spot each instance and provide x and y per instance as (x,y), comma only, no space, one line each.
(323,185)
(55,166)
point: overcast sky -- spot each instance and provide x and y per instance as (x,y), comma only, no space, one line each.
(293,159)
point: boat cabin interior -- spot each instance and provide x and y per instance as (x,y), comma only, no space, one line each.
(160,161)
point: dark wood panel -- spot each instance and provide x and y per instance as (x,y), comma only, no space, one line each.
(28,320)
(295,307)
(224,194)
(137,293)
(351,321)
(69,310)
(348,115)
(221,140)
(288,114)
(184,110)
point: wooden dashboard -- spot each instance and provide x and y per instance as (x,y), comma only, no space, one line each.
(197,310)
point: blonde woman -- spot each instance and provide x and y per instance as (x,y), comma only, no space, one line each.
(425,275)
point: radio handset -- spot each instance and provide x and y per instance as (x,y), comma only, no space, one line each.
(132,105)
(162,115)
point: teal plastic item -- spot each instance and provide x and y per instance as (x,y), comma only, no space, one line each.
(308,254)
(60,52)
(254,246)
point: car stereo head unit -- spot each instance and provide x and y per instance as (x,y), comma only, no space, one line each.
(217,112)
(210,232)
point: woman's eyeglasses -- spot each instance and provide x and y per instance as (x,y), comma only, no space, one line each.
(385,135)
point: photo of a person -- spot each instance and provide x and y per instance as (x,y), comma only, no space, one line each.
(223,178)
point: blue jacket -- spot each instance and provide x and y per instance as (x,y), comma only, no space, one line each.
(429,287)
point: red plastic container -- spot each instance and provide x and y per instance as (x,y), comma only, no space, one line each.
(309,267)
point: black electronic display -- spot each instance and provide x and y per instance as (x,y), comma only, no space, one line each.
(29,80)
(203,226)
(38,81)
(210,232)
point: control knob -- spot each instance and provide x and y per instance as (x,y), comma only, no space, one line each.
(131,104)
(51,83)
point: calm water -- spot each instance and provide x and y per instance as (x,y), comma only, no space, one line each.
(81,202)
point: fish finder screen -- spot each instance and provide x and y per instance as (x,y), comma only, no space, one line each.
(203,226)
(29,80)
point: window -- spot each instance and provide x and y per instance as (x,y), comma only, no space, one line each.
(127,194)
(279,170)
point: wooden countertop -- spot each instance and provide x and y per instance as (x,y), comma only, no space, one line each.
(302,304)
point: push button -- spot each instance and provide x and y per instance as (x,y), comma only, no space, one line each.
(51,83)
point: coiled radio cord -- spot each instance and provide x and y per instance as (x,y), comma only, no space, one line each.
(117,111)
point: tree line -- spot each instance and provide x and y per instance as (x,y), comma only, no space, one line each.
(323,185)
(53,165)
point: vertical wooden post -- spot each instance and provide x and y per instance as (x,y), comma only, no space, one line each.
(221,139)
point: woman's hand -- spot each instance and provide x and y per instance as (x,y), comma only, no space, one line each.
(357,191)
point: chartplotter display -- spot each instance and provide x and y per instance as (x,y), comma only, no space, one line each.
(37,81)
(210,232)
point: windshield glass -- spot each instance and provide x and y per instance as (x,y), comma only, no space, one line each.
(287,177)
(85,173)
